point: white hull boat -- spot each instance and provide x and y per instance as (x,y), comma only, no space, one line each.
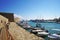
(43,33)
(54,36)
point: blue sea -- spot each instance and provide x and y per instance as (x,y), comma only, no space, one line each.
(51,27)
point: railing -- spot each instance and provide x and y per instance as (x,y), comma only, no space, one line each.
(4,33)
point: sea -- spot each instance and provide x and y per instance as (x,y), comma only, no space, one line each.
(51,27)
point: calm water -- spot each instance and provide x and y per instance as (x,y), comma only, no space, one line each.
(51,27)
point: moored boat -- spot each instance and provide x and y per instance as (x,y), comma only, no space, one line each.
(43,33)
(54,36)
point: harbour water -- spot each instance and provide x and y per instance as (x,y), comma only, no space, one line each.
(51,27)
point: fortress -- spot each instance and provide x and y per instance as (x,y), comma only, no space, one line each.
(10,16)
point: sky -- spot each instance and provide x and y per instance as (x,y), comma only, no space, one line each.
(32,9)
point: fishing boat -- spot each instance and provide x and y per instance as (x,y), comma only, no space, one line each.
(43,34)
(25,25)
(54,36)
(39,31)
(36,30)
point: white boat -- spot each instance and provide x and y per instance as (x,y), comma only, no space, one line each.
(25,25)
(54,36)
(37,30)
(56,29)
(43,33)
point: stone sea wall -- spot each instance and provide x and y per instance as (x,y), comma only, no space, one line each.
(19,33)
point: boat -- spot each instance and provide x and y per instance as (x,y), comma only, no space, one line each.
(36,30)
(39,31)
(56,30)
(38,25)
(25,25)
(54,36)
(43,34)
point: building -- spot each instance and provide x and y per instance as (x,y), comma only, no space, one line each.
(9,16)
